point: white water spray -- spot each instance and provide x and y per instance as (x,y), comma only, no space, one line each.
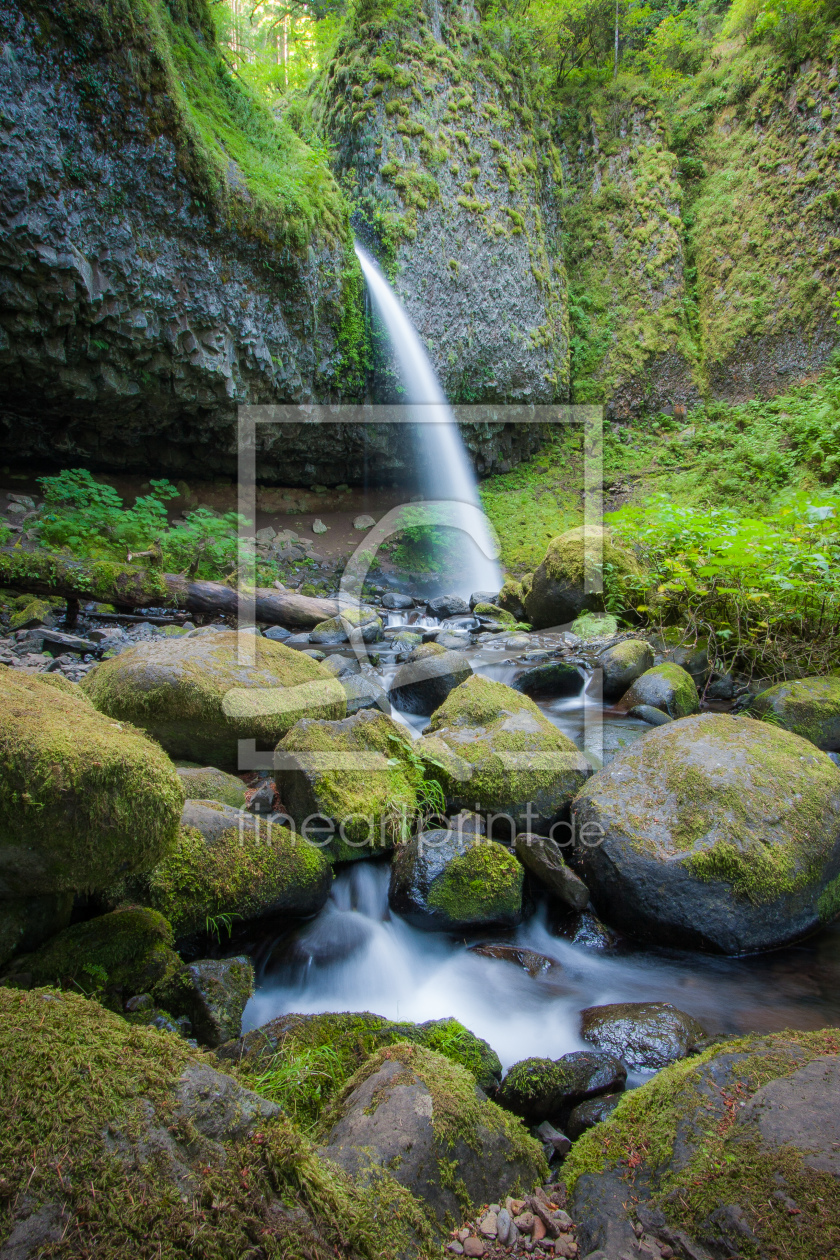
(446,469)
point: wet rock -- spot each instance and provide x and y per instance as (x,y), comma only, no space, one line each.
(205,701)
(448,606)
(722,687)
(483,597)
(643,1034)
(397,602)
(262,798)
(443,881)
(489,743)
(810,707)
(351,627)
(538,1088)
(528,959)
(699,821)
(364,693)
(355,811)
(554,678)
(622,665)
(558,591)
(212,993)
(543,858)
(454,640)
(341,666)
(587,930)
(589,1113)
(429,674)
(554,1142)
(208,784)
(647,713)
(665,687)
(393,1116)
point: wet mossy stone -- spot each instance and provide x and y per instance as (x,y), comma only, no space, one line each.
(446,880)
(205,783)
(228,866)
(553,678)
(730,1152)
(134,1134)
(352,625)
(713,832)
(573,562)
(26,922)
(83,799)
(37,612)
(414,1112)
(643,1034)
(665,687)
(212,993)
(195,697)
(111,958)
(490,745)
(511,598)
(809,707)
(622,664)
(547,1089)
(352,783)
(493,612)
(350,1037)
(426,678)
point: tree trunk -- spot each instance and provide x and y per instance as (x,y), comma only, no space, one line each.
(126,586)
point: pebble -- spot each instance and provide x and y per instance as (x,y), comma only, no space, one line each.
(487,1225)
(473,1246)
(503,1224)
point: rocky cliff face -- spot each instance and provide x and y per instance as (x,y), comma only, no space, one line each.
(456,186)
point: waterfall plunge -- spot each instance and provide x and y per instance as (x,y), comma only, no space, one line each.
(447,473)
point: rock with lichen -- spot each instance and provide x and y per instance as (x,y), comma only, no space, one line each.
(645,1035)
(445,880)
(199,696)
(809,707)
(570,580)
(622,664)
(713,832)
(666,687)
(548,1089)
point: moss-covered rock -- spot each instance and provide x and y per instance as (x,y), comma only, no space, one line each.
(574,563)
(714,832)
(421,1116)
(354,782)
(227,866)
(445,881)
(112,957)
(426,678)
(547,1089)
(137,1137)
(303,1061)
(511,598)
(490,744)
(809,707)
(353,625)
(665,687)
(622,664)
(735,1148)
(35,612)
(65,686)
(495,613)
(196,698)
(205,783)
(212,993)
(83,799)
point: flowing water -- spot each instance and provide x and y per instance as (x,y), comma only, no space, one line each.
(445,471)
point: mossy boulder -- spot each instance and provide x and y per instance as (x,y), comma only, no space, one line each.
(228,866)
(490,745)
(285,1049)
(353,625)
(112,958)
(732,1152)
(622,664)
(446,881)
(198,700)
(205,783)
(809,707)
(426,678)
(83,798)
(512,598)
(494,612)
(417,1114)
(547,1089)
(212,993)
(35,612)
(713,832)
(137,1137)
(665,687)
(573,564)
(59,683)
(26,922)
(352,783)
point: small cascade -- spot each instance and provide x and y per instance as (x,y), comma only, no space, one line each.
(445,470)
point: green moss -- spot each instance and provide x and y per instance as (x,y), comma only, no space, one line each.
(67,688)
(207,784)
(85,797)
(676,687)
(496,612)
(479,885)
(244,874)
(35,612)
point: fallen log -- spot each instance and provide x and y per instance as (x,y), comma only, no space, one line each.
(127,586)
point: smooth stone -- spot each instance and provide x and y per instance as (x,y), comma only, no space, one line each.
(425,680)
(363,693)
(591,1112)
(666,687)
(448,606)
(278,634)
(647,713)
(318,527)
(622,664)
(536,1089)
(396,602)
(363,522)
(528,959)
(643,1034)
(554,1142)
(554,678)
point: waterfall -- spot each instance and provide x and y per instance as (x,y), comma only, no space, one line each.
(446,471)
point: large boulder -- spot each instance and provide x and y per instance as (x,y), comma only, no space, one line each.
(548,1089)
(139,1138)
(447,881)
(342,1042)
(734,1152)
(713,832)
(489,744)
(809,707)
(353,783)
(665,687)
(228,866)
(83,799)
(417,1114)
(573,564)
(622,664)
(194,696)
(551,678)
(643,1034)
(427,676)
